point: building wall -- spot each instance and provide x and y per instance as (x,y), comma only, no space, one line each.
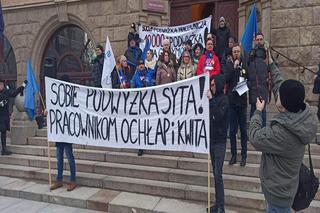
(29,24)
(295,30)
(291,27)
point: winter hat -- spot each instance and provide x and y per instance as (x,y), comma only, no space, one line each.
(166,41)
(222,19)
(122,58)
(292,95)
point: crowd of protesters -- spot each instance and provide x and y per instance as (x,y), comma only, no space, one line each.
(228,65)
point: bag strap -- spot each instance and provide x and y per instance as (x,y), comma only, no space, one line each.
(310,160)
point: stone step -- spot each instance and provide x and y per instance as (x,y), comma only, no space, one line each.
(9,205)
(235,182)
(158,188)
(42,141)
(151,187)
(98,155)
(103,200)
(195,164)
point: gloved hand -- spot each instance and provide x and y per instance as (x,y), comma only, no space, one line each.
(24,83)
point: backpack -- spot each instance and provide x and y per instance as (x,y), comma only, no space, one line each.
(307,188)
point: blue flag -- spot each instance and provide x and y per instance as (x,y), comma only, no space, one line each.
(250,31)
(145,50)
(32,88)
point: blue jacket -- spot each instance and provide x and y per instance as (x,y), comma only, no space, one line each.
(150,77)
(137,82)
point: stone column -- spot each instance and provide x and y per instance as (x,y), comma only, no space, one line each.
(266,18)
(242,20)
(22,127)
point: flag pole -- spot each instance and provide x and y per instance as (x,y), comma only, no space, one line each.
(209,184)
(49,158)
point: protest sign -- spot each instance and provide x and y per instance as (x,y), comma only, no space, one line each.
(177,35)
(166,117)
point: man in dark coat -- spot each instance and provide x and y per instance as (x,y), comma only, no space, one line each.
(218,136)
(258,76)
(133,53)
(5,94)
(222,38)
(236,71)
(98,66)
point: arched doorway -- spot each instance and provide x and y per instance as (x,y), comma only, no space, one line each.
(68,52)
(8,67)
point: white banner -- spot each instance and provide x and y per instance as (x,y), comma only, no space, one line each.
(177,35)
(167,117)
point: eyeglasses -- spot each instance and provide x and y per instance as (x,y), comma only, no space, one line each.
(186,56)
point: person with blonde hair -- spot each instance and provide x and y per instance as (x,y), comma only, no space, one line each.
(186,69)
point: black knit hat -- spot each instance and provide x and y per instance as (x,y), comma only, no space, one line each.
(292,95)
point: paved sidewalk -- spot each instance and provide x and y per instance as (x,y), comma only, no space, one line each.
(10,205)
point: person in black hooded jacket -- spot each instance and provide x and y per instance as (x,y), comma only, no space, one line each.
(5,94)
(218,136)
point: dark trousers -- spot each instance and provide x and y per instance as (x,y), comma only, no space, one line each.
(264,114)
(217,153)
(68,149)
(4,140)
(238,117)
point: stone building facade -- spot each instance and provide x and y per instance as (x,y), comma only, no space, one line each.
(292,27)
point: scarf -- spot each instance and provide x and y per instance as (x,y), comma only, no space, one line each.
(150,64)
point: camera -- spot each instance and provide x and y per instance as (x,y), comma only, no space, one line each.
(259,52)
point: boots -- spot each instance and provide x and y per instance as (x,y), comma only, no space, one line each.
(71,186)
(4,148)
(56,185)
(6,152)
(233,160)
(140,152)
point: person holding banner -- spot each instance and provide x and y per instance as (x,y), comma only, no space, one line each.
(133,53)
(60,148)
(166,72)
(122,75)
(5,94)
(139,78)
(173,58)
(151,67)
(218,136)
(209,62)
(186,69)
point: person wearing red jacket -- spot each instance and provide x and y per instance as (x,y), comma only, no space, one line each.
(209,62)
